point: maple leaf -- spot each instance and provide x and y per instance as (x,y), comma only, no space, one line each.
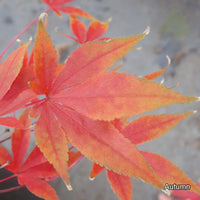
(58,6)
(32,172)
(120,184)
(10,69)
(80,94)
(38,168)
(95,30)
(139,131)
(14,90)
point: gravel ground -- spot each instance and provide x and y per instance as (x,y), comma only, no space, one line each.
(179,38)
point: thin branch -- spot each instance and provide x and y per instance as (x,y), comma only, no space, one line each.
(12,189)
(8,178)
(7,138)
(25,29)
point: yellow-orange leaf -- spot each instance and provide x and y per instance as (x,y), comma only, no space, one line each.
(103,144)
(168,172)
(120,184)
(92,59)
(96,170)
(40,188)
(45,59)
(96,29)
(10,69)
(52,142)
(150,127)
(78,28)
(155,74)
(114,95)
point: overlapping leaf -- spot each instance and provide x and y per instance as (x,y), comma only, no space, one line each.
(95,30)
(52,141)
(105,145)
(10,69)
(150,127)
(58,6)
(92,59)
(33,172)
(121,185)
(29,176)
(19,93)
(45,59)
(114,95)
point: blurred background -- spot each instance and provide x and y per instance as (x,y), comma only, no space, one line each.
(175,31)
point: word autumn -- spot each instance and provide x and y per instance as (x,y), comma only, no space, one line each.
(177,186)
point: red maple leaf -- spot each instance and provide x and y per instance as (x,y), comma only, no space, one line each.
(14,89)
(58,6)
(95,30)
(32,172)
(82,94)
(139,131)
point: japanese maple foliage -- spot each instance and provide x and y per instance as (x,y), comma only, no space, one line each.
(83,104)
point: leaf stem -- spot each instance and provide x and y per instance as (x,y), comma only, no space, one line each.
(7,138)
(16,37)
(12,189)
(8,178)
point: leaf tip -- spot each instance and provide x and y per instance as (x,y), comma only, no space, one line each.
(18,40)
(168,60)
(43,15)
(147,30)
(30,39)
(167,192)
(91,178)
(109,19)
(138,48)
(195,111)
(108,40)
(162,81)
(69,187)
(142,180)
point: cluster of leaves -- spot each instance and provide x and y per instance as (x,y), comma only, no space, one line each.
(82,104)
